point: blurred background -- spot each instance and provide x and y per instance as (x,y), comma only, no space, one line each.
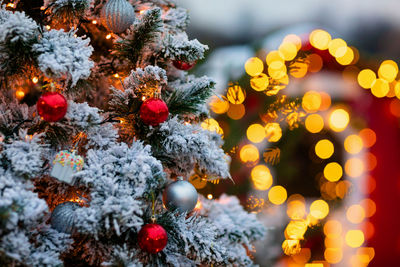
(308,104)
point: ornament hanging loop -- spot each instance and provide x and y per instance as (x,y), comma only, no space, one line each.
(153,211)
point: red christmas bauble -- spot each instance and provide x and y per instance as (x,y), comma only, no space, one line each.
(182,65)
(152,238)
(52,106)
(154,111)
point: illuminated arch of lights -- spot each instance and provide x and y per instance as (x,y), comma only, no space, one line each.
(270,77)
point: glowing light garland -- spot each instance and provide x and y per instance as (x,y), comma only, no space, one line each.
(289,59)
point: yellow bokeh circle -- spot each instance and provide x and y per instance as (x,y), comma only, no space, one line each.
(256,133)
(261,177)
(314,123)
(324,149)
(333,171)
(254,66)
(277,195)
(319,209)
(338,120)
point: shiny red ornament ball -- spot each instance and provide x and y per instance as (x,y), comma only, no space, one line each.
(154,111)
(152,238)
(52,106)
(182,65)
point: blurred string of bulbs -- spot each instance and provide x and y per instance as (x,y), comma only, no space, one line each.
(318,112)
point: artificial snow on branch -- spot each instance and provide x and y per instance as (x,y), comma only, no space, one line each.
(67,10)
(88,120)
(18,33)
(236,227)
(25,154)
(179,47)
(119,179)
(62,53)
(148,77)
(188,96)
(175,19)
(182,146)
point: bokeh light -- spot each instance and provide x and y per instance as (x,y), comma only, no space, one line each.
(314,123)
(315,63)
(254,66)
(355,214)
(338,120)
(371,161)
(380,88)
(294,39)
(261,177)
(236,95)
(388,70)
(333,255)
(354,167)
(296,229)
(219,104)
(347,58)
(342,188)
(311,101)
(332,228)
(325,101)
(298,69)
(353,144)
(273,132)
(256,133)
(366,78)
(333,171)
(277,195)
(236,112)
(324,149)
(320,39)
(319,209)
(249,154)
(291,247)
(333,241)
(369,251)
(354,238)
(369,207)
(337,47)
(368,136)
(260,82)
(288,50)
(277,70)
(212,125)
(274,56)
(296,209)
(368,229)
(302,257)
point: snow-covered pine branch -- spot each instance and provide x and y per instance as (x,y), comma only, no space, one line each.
(182,147)
(18,33)
(179,47)
(189,95)
(63,54)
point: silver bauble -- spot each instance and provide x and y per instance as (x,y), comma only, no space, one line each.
(63,217)
(118,15)
(180,196)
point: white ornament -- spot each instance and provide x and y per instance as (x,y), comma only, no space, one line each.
(65,165)
(118,15)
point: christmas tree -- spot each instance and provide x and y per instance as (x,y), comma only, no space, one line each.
(100,132)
